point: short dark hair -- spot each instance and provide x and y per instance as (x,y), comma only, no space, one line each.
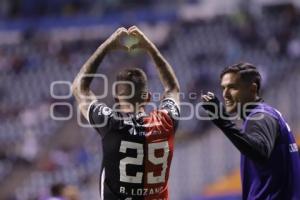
(138,78)
(57,189)
(248,73)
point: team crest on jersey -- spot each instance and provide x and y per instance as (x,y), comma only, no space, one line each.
(105,111)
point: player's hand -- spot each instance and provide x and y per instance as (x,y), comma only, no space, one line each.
(211,103)
(143,41)
(215,110)
(208,97)
(114,41)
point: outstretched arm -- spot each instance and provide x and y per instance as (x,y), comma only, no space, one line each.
(256,141)
(166,73)
(81,84)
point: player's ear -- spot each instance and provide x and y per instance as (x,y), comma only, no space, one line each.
(149,96)
(253,89)
(146,97)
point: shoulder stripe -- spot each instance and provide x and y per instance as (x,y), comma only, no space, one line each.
(89,108)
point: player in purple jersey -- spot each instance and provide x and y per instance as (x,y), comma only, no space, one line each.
(270,164)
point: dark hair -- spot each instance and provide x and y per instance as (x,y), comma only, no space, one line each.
(138,79)
(57,189)
(248,73)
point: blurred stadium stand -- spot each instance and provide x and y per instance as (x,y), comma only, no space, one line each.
(42,42)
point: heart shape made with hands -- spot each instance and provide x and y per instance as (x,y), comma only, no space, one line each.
(129,40)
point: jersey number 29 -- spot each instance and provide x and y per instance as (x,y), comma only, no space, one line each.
(152,147)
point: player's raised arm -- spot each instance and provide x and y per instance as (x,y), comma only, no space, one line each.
(166,73)
(81,84)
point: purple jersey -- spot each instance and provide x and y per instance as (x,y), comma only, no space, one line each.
(279,177)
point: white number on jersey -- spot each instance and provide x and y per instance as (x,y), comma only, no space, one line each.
(152,147)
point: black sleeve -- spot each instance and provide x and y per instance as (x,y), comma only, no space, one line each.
(258,139)
(101,117)
(259,136)
(173,110)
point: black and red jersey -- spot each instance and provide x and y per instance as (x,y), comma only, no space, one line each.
(137,151)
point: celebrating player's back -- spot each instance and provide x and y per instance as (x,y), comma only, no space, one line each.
(137,147)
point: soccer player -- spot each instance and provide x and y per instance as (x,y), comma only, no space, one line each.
(270,165)
(137,147)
